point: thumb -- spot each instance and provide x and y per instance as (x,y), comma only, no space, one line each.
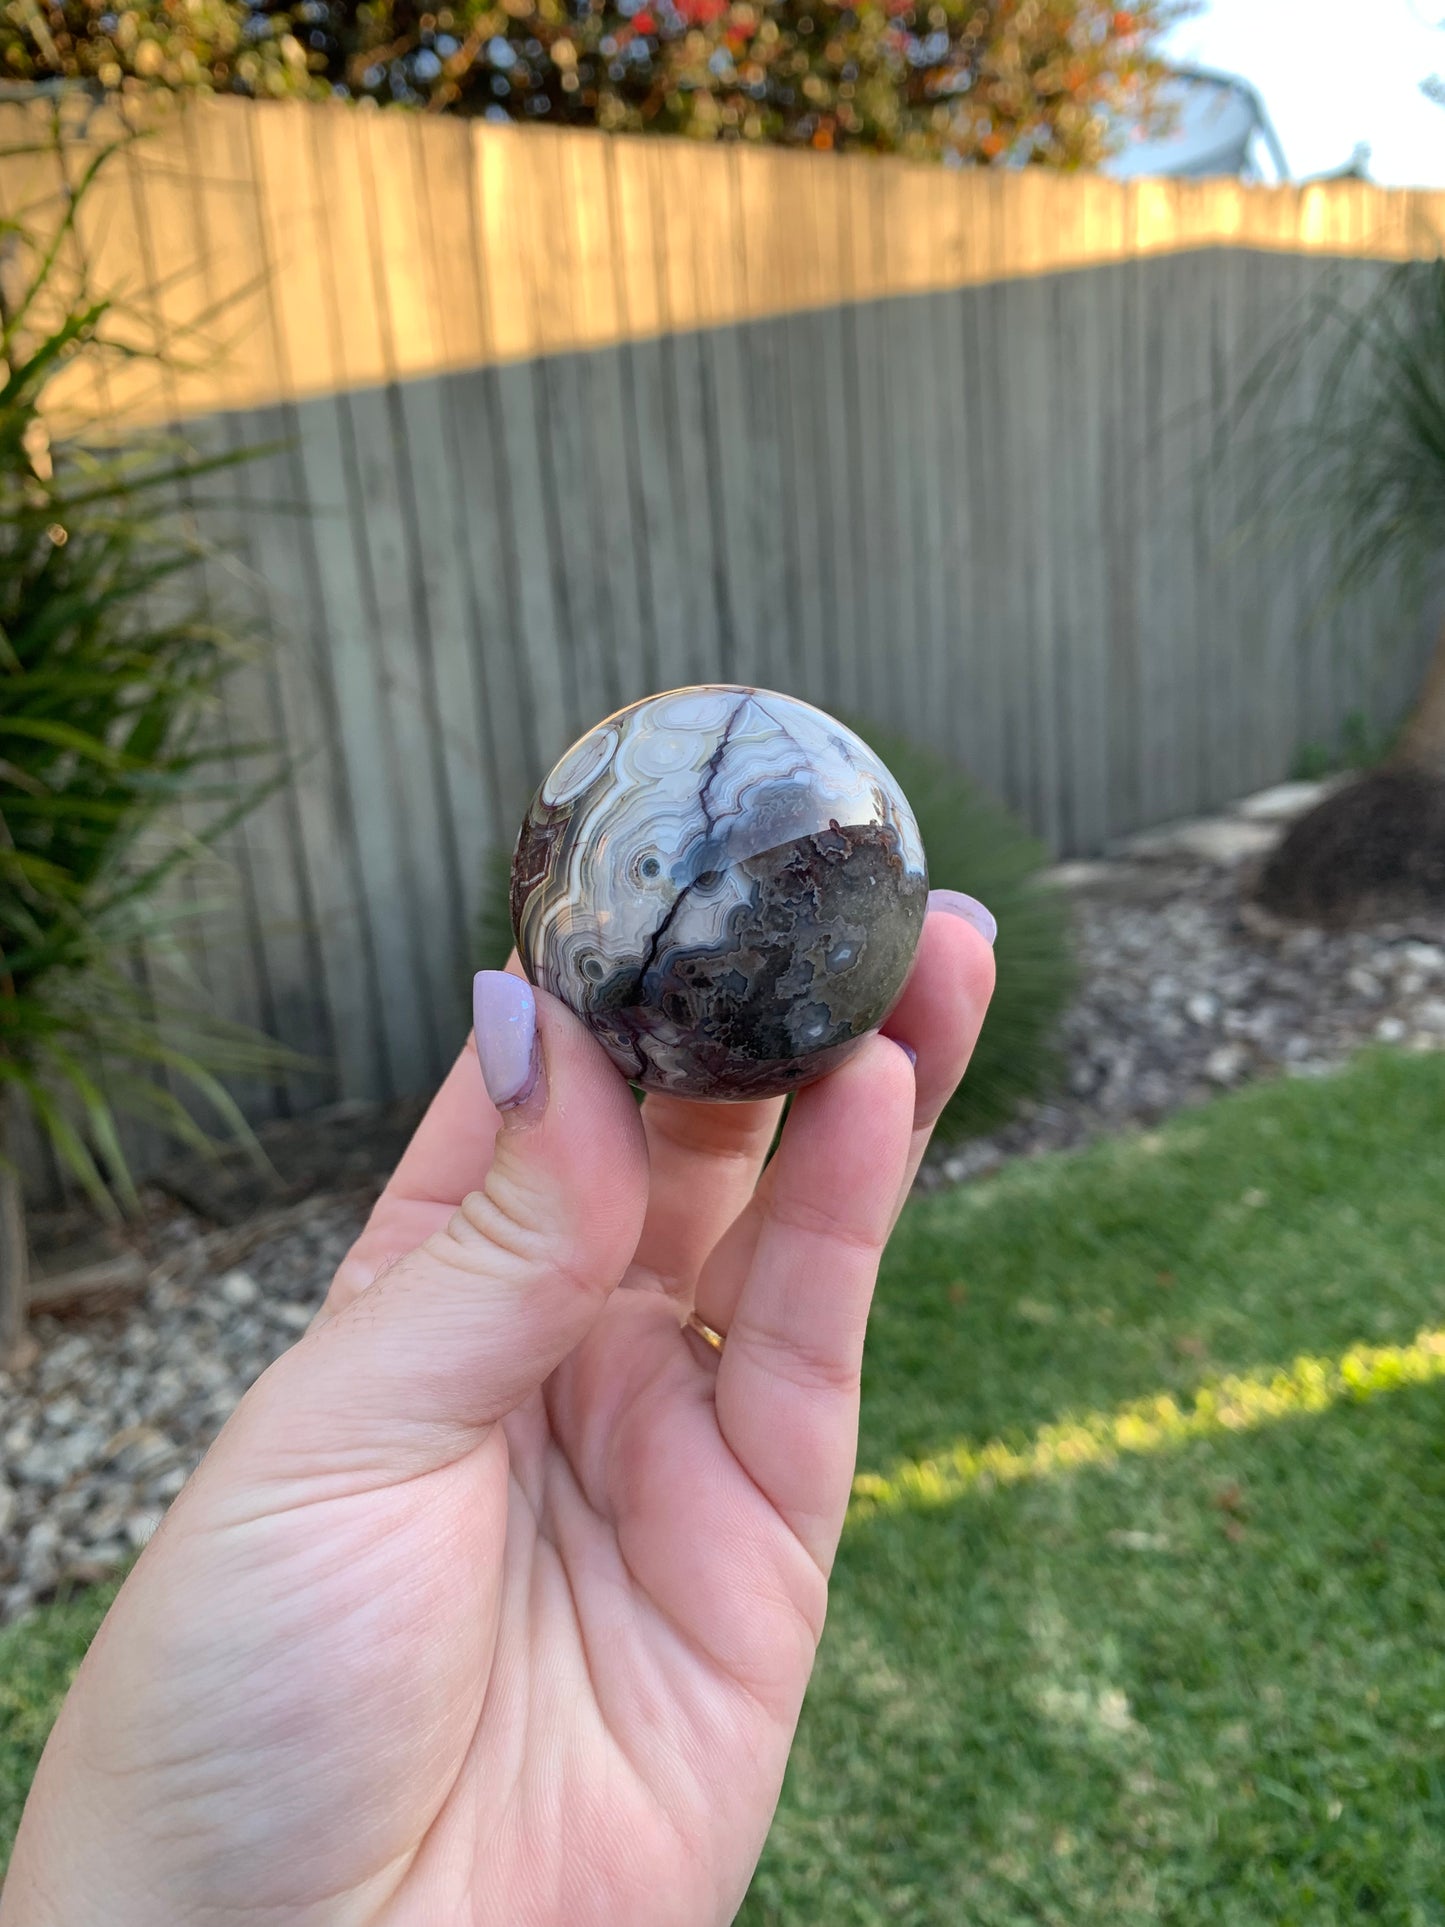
(462,1330)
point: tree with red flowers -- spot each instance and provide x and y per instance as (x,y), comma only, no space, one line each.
(1052,82)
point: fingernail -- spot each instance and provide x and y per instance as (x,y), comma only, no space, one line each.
(955,904)
(504,1013)
(908,1051)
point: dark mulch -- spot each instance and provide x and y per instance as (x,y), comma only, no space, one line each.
(1374,849)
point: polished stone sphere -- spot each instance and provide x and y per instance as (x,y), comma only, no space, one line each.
(726,885)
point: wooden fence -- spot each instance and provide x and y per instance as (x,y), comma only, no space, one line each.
(556,420)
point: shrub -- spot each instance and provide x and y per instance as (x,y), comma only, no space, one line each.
(977,846)
(1057,82)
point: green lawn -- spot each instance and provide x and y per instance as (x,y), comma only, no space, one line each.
(1140,1615)
(38,1658)
(1202,1682)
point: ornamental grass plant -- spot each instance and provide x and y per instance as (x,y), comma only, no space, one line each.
(113,667)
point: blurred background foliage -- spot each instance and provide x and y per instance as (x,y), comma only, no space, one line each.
(976,845)
(1008,81)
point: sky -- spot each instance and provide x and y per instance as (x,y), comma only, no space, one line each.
(1333,73)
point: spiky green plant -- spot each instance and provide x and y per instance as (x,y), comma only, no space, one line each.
(1360,473)
(1364,465)
(110,663)
(973,845)
(1361,476)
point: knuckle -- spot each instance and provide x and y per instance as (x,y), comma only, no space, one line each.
(508,1225)
(795,1214)
(797,1358)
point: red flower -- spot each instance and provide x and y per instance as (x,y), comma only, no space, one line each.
(644,22)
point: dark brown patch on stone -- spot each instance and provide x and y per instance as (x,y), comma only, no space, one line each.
(771,1006)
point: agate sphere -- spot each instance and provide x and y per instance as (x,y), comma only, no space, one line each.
(726,885)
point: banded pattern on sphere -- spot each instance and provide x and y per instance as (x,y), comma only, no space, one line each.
(726,885)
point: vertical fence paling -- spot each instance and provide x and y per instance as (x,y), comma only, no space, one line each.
(557,419)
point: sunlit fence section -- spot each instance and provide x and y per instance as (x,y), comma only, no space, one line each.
(553,419)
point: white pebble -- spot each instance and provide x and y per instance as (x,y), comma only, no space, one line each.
(106,1520)
(65,1363)
(239,1288)
(42,1465)
(1224,1065)
(1364,983)
(1425,957)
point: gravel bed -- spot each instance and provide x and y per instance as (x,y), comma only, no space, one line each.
(99,1435)
(1185,992)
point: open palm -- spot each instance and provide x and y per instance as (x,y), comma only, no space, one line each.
(496,1600)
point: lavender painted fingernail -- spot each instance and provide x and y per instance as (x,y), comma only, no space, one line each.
(504,1014)
(908,1051)
(955,904)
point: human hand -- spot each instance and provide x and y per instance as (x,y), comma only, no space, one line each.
(496,1599)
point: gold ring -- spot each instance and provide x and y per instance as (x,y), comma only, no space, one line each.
(705,1331)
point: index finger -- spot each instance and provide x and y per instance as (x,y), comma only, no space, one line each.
(787,1382)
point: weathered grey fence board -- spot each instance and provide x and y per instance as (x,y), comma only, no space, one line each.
(657,511)
(956,731)
(809,590)
(458,651)
(982,637)
(582,569)
(914,460)
(630,235)
(836,430)
(545,650)
(621,544)
(486,554)
(1187,427)
(1034,511)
